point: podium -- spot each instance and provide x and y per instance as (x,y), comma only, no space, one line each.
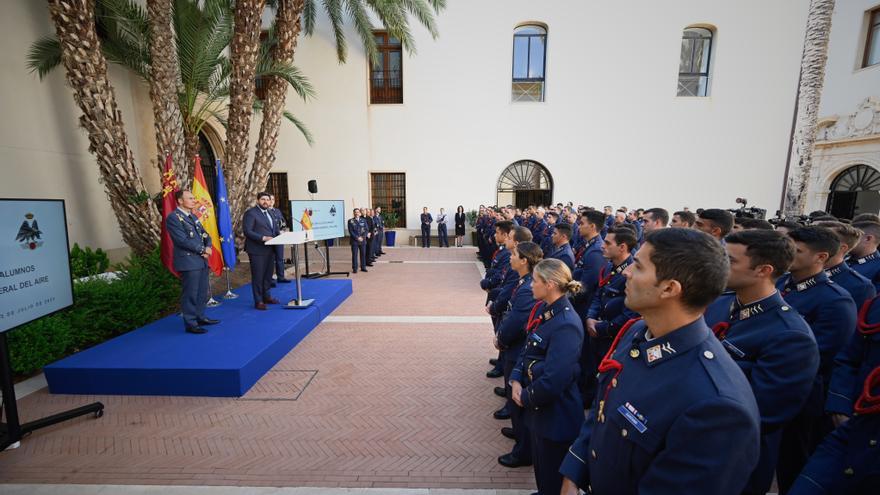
(294,239)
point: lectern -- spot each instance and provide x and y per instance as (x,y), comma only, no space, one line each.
(294,239)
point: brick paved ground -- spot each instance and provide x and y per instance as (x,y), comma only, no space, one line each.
(354,405)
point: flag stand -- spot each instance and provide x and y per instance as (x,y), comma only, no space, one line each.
(229,294)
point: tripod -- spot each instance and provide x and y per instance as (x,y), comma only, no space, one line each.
(326,256)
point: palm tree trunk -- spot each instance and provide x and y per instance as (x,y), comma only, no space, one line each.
(164,81)
(245,51)
(86,72)
(813,61)
(287,28)
(191,138)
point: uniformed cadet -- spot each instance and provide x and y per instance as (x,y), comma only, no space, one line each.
(852,365)
(380,235)
(560,246)
(848,461)
(499,264)
(768,339)
(192,248)
(860,288)
(831,314)
(357,236)
(280,224)
(544,381)
(546,235)
(610,219)
(426,220)
(673,413)
(540,226)
(683,219)
(864,258)
(654,219)
(715,222)
(510,336)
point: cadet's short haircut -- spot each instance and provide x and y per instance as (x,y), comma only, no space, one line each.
(260,195)
(624,235)
(564,229)
(595,217)
(824,218)
(817,239)
(755,224)
(530,252)
(504,226)
(687,217)
(766,247)
(659,214)
(722,219)
(847,234)
(788,224)
(628,226)
(178,194)
(817,213)
(553,214)
(693,258)
(868,228)
(521,234)
(866,217)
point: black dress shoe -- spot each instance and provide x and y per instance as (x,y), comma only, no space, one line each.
(502,413)
(500,392)
(493,361)
(364,270)
(494,373)
(197,330)
(271,300)
(260,306)
(284,281)
(508,460)
(369,264)
(273,284)
(208,321)
(508,432)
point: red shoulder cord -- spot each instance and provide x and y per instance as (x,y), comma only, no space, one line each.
(864,327)
(609,363)
(867,403)
(602,280)
(495,253)
(534,322)
(580,253)
(720,329)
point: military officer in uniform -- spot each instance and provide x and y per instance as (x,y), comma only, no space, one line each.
(864,258)
(357,237)
(768,339)
(544,381)
(673,413)
(831,314)
(859,287)
(380,234)
(499,264)
(560,245)
(192,248)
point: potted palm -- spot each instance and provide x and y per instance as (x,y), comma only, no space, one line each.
(472,221)
(390,219)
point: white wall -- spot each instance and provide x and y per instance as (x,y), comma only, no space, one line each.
(611,130)
(847,84)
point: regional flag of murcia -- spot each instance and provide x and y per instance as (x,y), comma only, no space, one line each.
(204,211)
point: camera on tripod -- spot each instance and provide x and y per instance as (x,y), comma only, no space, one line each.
(746,211)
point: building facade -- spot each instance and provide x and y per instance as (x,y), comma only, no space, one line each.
(640,103)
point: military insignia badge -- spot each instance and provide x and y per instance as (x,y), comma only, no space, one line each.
(29,234)
(654,353)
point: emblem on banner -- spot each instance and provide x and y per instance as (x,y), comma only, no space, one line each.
(29,234)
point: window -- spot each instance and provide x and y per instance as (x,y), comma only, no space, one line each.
(389,192)
(529,53)
(872,45)
(386,73)
(693,70)
(277,186)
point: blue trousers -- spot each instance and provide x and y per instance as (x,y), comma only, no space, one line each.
(426,236)
(193,296)
(358,249)
(444,237)
(279,261)
(522,448)
(547,456)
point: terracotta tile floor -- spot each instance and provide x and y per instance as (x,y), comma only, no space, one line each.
(353,405)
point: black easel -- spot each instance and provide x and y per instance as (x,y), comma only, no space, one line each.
(326,272)
(11,432)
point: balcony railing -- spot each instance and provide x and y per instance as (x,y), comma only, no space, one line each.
(386,86)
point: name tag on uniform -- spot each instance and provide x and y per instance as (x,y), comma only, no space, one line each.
(537,338)
(736,351)
(633,416)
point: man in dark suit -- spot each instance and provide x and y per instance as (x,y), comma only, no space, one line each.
(371,236)
(280,224)
(259,227)
(192,248)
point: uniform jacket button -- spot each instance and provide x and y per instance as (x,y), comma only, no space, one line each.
(595,456)
(848,471)
(708,355)
(872,443)
(624,433)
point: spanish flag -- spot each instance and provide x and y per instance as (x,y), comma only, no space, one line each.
(204,211)
(306,220)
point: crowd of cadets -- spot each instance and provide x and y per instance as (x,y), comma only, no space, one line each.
(707,358)
(365,234)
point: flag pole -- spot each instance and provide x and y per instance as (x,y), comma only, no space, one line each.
(212,303)
(229,294)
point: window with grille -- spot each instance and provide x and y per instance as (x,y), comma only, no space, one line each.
(872,44)
(386,72)
(529,53)
(277,186)
(389,192)
(693,69)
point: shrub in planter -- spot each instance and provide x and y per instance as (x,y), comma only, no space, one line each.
(85,262)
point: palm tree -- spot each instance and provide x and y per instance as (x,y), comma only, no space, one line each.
(813,60)
(86,72)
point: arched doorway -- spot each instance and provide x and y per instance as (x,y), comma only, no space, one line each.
(525,183)
(855,190)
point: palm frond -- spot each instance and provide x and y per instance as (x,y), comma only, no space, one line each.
(309,17)
(44,55)
(393,16)
(334,11)
(423,12)
(258,107)
(291,74)
(364,27)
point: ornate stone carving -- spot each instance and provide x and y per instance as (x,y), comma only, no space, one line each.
(865,121)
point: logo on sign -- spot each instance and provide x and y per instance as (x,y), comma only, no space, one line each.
(29,234)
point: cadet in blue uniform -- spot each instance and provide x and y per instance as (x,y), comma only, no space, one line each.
(546,235)
(860,288)
(357,237)
(654,219)
(192,248)
(426,220)
(864,258)
(831,314)
(673,413)
(848,461)
(380,236)
(510,337)
(768,339)
(499,264)
(560,247)
(544,381)
(715,222)
(852,365)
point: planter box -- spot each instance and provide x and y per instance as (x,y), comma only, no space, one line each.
(390,237)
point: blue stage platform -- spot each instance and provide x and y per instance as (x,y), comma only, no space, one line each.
(161,359)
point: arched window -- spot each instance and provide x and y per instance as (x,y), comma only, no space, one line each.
(693,69)
(523,183)
(529,53)
(855,190)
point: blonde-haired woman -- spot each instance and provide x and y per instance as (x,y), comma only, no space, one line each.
(544,382)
